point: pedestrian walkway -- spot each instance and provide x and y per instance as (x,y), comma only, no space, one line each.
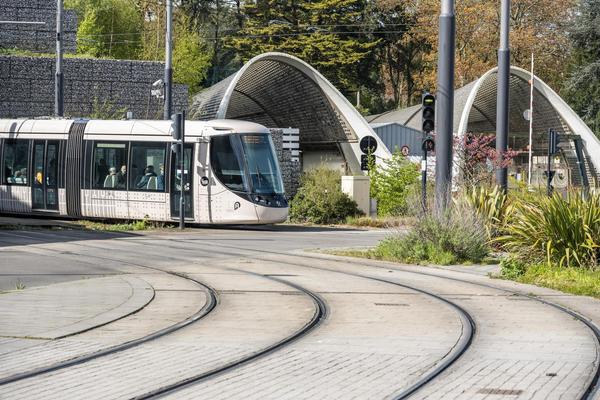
(67,308)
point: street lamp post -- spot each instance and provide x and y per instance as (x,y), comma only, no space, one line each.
(503,95)
(59,79)
(168,62)
(445,105)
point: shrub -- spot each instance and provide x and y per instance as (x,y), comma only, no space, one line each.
(454,237)
(491,205)
(320,199)
(512,268)
(392,183)
(555,230)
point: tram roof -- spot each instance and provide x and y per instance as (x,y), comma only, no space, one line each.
(129,127)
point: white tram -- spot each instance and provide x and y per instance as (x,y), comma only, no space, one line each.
(126,170)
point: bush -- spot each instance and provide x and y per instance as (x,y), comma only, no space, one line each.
(559,231)
(455,237)
(392,183)
(320,199)
(512,268)
(491,205)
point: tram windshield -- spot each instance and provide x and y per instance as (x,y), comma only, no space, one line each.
(246,163)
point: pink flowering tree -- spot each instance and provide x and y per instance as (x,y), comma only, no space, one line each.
(478,159)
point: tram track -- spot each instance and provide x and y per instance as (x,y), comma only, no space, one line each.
(320,313)
(460,348)
(592,387)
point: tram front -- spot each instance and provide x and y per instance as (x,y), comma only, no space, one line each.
(246,165)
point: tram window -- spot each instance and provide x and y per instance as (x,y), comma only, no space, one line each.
(147,167)
(226,164)
(15,162)
(110,166)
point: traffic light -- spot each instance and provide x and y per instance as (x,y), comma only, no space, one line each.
(364,162)
(553,141)
(428,112)
(177,126)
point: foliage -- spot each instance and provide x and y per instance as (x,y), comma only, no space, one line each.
(107,28)
(387,222)
(512,268)
(139,225)
(105,110)
(328,34)
(571,280)
(537,26)
(491,205)
(583,85)
(560,231)
(392,183)
(320,199)
(453,237)
(190,60)
(477,159)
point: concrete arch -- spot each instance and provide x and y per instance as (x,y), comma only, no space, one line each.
(280,90)
(573,122)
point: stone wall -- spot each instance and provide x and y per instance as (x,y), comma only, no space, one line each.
(290,170)
(38,38)
(27,88)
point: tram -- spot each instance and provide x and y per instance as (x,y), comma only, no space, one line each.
(127,170)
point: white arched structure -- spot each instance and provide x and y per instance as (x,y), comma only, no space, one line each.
(475,111)
(568,117)
(279,91)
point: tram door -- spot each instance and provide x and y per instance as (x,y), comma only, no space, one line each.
(188,185)
(45,173)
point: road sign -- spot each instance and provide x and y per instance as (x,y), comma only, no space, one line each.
(368,144)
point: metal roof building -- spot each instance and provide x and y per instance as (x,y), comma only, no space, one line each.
(279,91)
(475,111)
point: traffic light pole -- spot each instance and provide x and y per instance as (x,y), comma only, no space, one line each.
(424,177)
(182,166)
(59,110)
(168,61)
(503,93)
(445,103)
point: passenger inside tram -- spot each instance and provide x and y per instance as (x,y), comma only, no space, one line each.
(111,179)
(122,177)
(148,180)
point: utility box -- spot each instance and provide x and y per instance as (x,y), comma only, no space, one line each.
(358,188)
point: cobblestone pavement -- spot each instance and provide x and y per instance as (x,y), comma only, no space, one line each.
(377,339)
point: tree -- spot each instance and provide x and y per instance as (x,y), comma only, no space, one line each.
(331,35)
(582,88)
(190,60)
(537,26)
(107,28)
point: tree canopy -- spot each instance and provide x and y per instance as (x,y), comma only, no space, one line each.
(384,49)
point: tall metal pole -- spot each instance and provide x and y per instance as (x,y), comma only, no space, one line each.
(58,78)
(169,61)
(445,105)
(182,166)
(503,93)
(530,172)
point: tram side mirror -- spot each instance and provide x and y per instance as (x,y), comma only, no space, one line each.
(175,148)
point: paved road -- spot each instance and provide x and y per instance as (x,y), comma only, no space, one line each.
(385,327)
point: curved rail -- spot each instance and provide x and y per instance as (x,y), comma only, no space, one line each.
(210,305)
(592,389)
(321,312)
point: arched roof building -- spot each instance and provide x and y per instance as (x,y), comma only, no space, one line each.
(280,91)
(475,111)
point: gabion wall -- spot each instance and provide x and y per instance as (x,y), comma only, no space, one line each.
(90,85)
(39,38)
(290,170)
